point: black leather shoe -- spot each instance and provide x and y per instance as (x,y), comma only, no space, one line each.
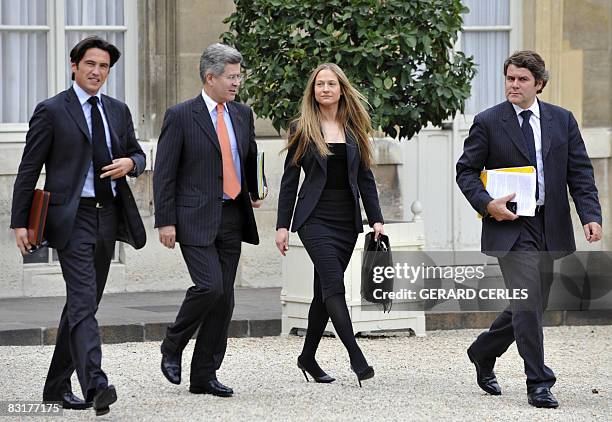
(213,387)
(223,387)
(103,399)
(70,402)
(542,397)
(485,377)
(171,368)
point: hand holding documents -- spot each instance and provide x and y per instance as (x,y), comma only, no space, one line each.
(519,180)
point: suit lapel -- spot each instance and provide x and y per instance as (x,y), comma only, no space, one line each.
(546,128)
(75,110)
(239,128)
(203,120)
(513,130)
(111,119)
(319,159)
(351,149)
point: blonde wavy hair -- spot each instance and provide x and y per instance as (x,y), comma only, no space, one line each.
(351,115)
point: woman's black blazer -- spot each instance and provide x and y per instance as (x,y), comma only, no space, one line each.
(361,182)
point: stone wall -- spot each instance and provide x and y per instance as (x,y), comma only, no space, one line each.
(575,37)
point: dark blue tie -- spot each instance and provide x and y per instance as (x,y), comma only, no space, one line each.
(101,155)
(530,140)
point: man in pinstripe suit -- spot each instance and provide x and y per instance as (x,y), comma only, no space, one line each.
(525,131)
(204,170)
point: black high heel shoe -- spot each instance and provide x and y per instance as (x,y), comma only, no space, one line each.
(365,374)
(326,379)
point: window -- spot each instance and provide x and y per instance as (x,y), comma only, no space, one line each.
(36,37)
(24,41)
(488,34)
(104,18)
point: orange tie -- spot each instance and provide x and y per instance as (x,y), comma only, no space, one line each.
(231,185)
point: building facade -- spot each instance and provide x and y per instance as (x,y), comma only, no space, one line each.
(162,41)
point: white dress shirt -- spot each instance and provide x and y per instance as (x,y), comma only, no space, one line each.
(534,121)
(88,188)
(211,105)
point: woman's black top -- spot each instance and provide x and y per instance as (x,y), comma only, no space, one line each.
(337,168)
(336,205)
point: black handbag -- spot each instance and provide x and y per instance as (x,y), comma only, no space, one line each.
(376,255)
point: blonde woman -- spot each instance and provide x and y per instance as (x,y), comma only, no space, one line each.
(330,141)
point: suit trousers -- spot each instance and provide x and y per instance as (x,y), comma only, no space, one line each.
(527,266)
(85,262)
(209,303)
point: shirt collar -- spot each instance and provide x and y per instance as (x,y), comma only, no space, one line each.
(212,104)
(84,96)
(535,108)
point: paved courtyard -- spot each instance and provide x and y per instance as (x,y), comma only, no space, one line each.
(416,379)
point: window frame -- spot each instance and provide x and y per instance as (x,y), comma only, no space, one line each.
(58,57)
(57,60)
(515,40)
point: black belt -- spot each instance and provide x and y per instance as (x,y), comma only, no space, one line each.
(230,201)
(227,202)
(93,203)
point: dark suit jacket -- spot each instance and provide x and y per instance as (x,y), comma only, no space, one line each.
(188,173)
(496,141)
(315,168)
(59,138)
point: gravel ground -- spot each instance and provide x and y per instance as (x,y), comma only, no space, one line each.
(416,379)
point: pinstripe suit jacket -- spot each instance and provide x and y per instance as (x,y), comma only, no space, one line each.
(496,141)
(188,173)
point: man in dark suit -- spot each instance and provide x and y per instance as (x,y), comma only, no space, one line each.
(525,131)
(86,142)
(204,170)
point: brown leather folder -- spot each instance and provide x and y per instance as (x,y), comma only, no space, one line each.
(38,217)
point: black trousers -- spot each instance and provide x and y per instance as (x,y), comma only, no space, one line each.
(209,303)
(527,266)
(85,263)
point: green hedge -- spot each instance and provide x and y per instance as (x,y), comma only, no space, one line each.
(398,53)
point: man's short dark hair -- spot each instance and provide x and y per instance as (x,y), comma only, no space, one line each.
(79,50)
(531,61)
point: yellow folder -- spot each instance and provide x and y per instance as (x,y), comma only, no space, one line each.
(524,169)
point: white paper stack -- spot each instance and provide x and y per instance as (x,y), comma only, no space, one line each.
(519,180)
